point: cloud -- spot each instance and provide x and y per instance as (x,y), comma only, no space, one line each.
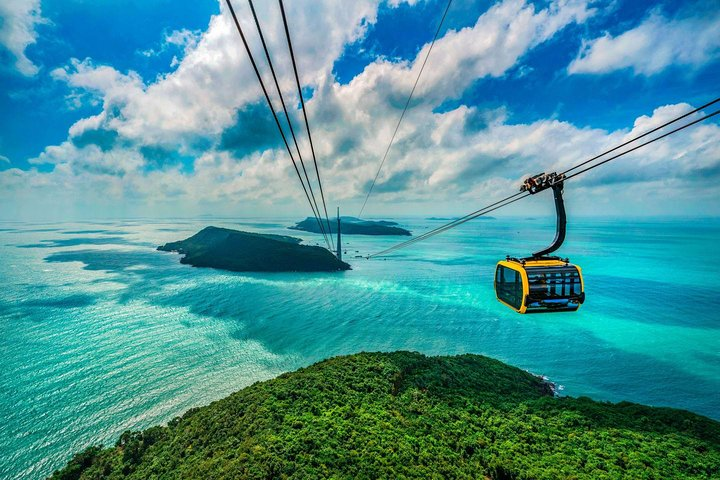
(104,139)
(18,19)
(691,156)
(454,165)
(184,39)
(103,80)
(397,182)
(498,40)
(212,96)
(654,45)
(200,139)
(370,104)
(4,159)
(214,80)
(91,84)
(214,77)
(254,130)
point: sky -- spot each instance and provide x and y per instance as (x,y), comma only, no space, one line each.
(150,108)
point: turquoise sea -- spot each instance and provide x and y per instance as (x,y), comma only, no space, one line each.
(100,333)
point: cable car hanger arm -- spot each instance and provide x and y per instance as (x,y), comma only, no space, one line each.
(543,181)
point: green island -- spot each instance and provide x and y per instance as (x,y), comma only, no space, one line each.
(406,415)
(353,226)
(238,251)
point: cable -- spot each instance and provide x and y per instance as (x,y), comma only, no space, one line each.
(407,104)
(519,195)
(304,110)
(287,117)
(641,136)
(643,144)
(452,224)
(466,218)
(272,110)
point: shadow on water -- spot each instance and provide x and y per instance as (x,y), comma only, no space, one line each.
(90,232)
(74,242)
(31,230)
(69,301)
(115,261)
(315,316)
(19,309)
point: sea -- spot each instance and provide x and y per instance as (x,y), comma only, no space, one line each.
(100,333)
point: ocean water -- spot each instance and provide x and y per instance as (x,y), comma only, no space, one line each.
(100,333)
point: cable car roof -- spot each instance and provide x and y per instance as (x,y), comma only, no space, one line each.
(539,262)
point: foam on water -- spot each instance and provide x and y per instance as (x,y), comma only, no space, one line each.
(101,333)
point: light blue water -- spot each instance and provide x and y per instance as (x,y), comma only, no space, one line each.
(100,333)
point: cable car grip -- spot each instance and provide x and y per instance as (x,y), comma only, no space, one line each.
(543,181)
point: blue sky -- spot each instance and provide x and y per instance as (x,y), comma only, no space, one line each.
(151,105)
(35,111)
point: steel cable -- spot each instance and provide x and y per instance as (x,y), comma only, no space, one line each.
(287,117)
(407,104)
(304,110)
(519,195)
(272,110)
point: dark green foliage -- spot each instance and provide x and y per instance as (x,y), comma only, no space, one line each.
(80,463)
(404,415)
(353,226)
(253,252)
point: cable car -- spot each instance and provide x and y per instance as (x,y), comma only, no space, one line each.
(542,283)
(539,285)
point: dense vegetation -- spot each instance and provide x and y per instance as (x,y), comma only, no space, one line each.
(253,252)
(354,226)
(404,415)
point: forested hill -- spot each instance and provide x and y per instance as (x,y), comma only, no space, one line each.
(395,415)
(238,251)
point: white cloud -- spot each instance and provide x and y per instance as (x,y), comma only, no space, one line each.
(214,78)
(92,84)
(453,160)
(497,41)
(652,46)
(184,39)
(103,80)
(368,106)
(449,164)
(18,19)
(4,159)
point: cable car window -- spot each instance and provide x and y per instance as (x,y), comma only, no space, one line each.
(509,286)
(554,283)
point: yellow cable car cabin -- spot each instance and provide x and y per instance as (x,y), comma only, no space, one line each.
(542,284)
(539,285)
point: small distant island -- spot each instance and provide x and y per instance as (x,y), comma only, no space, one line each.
(354,226)
(238,251)
(405,415)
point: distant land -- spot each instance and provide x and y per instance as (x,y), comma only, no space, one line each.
(405,415)
(238,251)
(353,226)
